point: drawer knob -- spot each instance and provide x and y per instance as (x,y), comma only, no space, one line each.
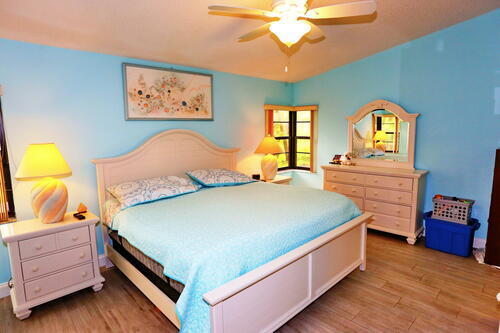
(82,255)
(400,197)
(398,211)
(353,191)
(38,289)
(397,224)
(375,181)
(35,269)
(334,176)
(38,247)
(375,193)
(400,184)
(84,274)
(353,178)
(334,187)
(74,238)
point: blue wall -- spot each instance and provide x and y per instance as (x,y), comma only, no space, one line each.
(75,99)
(450,77)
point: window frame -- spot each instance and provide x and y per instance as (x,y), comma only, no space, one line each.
(292,137)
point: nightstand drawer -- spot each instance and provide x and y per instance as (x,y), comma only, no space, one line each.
(51,283)
(388,209)
(37,246)
(389,182)
(73,237)
(348,177)
(54,262)
(350,190)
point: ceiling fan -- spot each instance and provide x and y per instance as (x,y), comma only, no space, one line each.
(291,17)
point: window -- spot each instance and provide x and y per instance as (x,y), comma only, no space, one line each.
(293,127)
(7,211)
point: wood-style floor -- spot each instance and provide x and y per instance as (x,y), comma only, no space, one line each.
(404,288)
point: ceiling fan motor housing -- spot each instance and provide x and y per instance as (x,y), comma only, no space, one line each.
(290,7)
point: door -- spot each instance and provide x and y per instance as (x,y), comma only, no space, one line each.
(492,255)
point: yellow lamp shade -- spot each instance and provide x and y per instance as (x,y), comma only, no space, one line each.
(380,136)
(269,145)
(49,197)
(42,160)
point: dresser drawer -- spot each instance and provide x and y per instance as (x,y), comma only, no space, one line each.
(58,281)
(389,182)
(387,209)
(73,237)
(54,262)
(350,190)
(391,222)
(388,195)
(348,177)
(358,201)
(36,246)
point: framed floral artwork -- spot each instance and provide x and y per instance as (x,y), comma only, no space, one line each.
(154,93)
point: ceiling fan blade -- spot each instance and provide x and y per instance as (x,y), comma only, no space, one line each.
(358,8)
(256,33)
(242,10)
(315,33)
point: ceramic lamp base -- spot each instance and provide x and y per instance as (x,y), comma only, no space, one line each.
(49,199)
(269,166)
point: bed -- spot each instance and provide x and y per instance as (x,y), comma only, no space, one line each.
(267,293)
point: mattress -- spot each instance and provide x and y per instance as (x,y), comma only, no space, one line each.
(152,265)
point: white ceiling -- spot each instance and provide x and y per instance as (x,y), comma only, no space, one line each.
(182,32)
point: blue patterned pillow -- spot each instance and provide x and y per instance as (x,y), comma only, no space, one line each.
(150,189)
(219,177)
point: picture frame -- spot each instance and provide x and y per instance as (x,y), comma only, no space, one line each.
(157,93)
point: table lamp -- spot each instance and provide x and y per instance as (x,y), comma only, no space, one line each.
(269,164)
(380,136)
(49,197)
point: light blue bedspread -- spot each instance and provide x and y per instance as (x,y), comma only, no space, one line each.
(207,238)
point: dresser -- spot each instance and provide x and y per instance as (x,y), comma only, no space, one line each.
(51,260)
(394,196)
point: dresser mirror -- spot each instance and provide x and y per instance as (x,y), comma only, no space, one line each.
(382,133)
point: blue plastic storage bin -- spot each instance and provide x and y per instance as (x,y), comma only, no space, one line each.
(449,237)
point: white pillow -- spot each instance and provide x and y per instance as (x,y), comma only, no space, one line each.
(150,189)
(219,177)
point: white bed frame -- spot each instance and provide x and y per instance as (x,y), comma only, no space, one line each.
(261,300)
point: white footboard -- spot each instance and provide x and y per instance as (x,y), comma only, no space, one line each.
(264,299)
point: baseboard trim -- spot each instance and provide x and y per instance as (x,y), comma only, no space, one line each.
(479,243)
(104,261)
(4,289)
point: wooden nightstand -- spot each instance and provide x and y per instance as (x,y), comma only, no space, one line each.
(279,179)
(51,260)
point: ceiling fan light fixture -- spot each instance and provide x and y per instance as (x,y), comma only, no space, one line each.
(289,32)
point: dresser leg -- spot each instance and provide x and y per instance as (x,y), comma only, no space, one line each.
(23,314)
(411,240)
(97,287)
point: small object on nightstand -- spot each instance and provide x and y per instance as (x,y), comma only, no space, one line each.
(49,261)
(256,176)
(81,208)
(279,179)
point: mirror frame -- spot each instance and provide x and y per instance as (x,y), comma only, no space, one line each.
(379,104)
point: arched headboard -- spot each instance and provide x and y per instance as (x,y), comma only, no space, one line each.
(169,153)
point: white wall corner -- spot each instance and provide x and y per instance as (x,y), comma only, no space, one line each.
(4,290)
(479,243)
(104,261)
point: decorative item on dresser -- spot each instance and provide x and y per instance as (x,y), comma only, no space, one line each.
(385,184)
(49,261)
